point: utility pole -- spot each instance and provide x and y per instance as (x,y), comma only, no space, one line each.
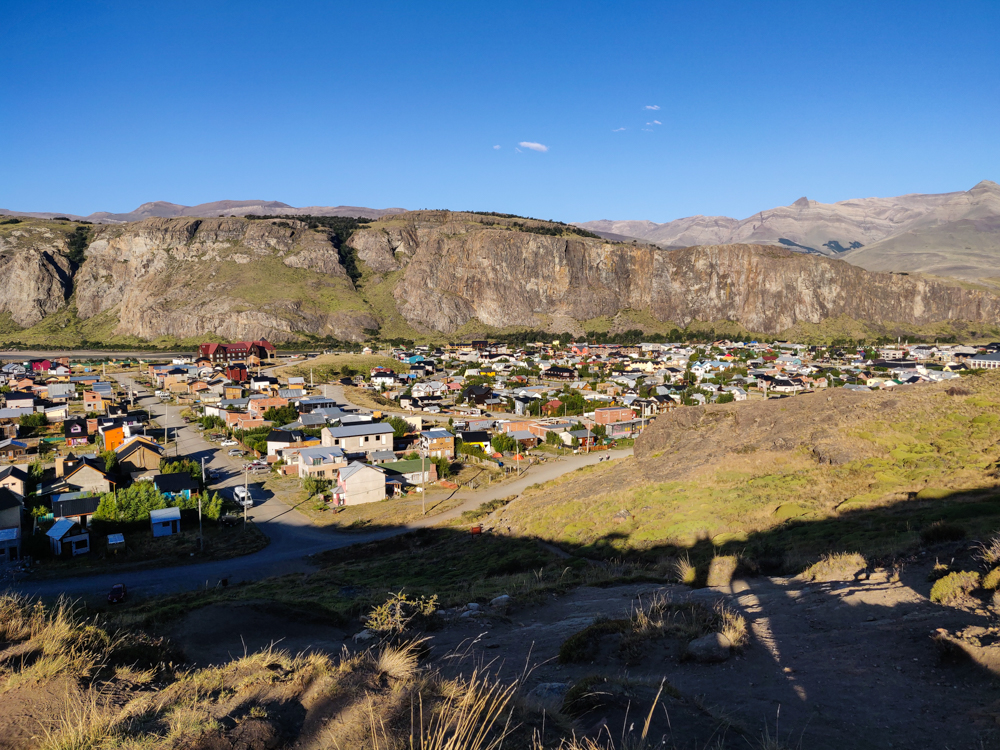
(246,496)
(201,538)
(423,479)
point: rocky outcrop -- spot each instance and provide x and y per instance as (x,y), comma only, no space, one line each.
(461,272)
(36,283)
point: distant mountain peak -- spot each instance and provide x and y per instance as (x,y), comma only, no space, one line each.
(802,202)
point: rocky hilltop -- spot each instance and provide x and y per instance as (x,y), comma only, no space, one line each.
(427,274)
(458,269)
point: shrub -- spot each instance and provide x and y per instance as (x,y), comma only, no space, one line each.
(398,612)
(954,587)
(942,531)
(721,570)
(991,580)
(684,571)
(842,566)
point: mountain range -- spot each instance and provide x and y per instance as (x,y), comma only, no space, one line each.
(165,210)
(947,234)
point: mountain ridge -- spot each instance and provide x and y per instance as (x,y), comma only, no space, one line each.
(924,233)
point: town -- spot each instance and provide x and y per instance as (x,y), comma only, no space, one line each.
(92,461)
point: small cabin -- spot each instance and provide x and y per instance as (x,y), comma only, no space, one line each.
(166,521)
(67,539)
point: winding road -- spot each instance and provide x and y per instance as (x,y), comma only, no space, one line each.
(292,536)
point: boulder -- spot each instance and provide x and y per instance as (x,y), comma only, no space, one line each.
(548,694)
(501,602)
(711,648)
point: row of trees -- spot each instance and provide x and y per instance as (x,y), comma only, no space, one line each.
(133,505)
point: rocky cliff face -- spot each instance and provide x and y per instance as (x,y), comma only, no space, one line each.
(34,274)
(186,277)
(458,270)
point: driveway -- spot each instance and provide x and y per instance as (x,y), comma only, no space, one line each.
(291,534)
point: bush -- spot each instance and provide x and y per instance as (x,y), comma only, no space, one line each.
(954,587)
(843,566)
(991,580)
(398,613)
(942,531)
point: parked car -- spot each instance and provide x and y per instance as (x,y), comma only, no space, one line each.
(242,497)
(213,473)
(227,443)
(119,593)
(236,452)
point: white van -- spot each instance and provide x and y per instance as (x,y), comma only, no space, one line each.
(242,497)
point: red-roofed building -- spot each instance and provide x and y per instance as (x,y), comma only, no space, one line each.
(223,354)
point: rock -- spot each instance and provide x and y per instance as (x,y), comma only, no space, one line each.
(472,605)
(364,635)
(500,602)
(621,516)
(711,648)
(548,694)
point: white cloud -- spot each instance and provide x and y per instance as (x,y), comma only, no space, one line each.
(652,106)
(496,148)
(657,122)
(617,130)
(533,146)
(647,130)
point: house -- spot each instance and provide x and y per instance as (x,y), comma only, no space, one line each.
(67,539)
(358,438)
(479,438)
(412,471)
(612,414)
(359,483)
(61,392)
(75,432)
(986,361)
(239,352)
(10,526)
(438,443)
(280,439)
(11,449)
(76,506)
(320,462)
(139,454)
(477,394)
(237,373)
(552,407)
(165,521)
(559,373)
(78,475)
(20,400)
(176,486)
(15,480)
(93,401)
(257,406)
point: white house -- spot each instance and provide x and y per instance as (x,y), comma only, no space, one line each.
(359,483)
(67,539)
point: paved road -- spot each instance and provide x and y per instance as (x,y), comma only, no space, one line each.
(291,534)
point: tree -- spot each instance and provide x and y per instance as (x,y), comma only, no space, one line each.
(38,419)
(600,431)
(503,443)
(110,459)
(281,414)
(443,467)
(213,508)
(130,505)
(726,398)
(400,426)
(552,438)
(314,485)
(348,372)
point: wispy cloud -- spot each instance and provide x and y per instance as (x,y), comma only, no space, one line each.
(647,130)
(652,106)
(496,148)
(657,122)
(617,130)
(534,146)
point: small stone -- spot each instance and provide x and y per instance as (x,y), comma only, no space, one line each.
(711,648)
(472,606)
(364,635)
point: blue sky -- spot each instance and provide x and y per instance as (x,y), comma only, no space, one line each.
(110,104)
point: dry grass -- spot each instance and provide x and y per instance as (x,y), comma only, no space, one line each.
(659,617)
(954,587)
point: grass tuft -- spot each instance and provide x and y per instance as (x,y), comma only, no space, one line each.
(954,587)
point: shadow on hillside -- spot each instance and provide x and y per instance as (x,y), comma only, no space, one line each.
(855,662)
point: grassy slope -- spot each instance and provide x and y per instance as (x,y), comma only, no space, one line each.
(936,462)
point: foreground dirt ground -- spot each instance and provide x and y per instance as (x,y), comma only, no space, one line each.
(830,665)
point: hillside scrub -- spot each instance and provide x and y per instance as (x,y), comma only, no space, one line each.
(788,480)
